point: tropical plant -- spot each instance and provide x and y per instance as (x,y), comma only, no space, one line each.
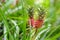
(14,16)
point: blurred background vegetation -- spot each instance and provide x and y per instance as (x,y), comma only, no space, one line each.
(14,17)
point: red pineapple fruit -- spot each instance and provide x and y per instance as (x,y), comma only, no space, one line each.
(36,23)
(31,18)
(39,22)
